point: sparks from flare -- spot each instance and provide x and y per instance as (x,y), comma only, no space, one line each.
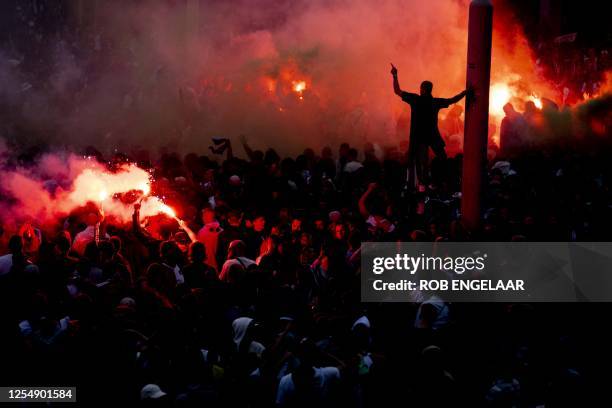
(105,187)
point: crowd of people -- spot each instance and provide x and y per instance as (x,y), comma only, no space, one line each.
(253,298)
(577,72)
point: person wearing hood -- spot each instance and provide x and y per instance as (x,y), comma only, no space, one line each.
(242,334)
(209,236)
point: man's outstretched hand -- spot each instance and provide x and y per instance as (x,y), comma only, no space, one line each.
(393,70)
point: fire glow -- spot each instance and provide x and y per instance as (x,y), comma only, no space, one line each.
(97,184)
(299,87)
(286,81)
(62,184)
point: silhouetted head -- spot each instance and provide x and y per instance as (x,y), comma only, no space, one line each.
(236,248)
(15,244)
(197,252)
(508,109)
(208,215)
(234,219)
(343,150)
(426,88)
(168,251)
(107,251)
(116,241)
(92,218)
(259,223)
(62,244)
(258,156)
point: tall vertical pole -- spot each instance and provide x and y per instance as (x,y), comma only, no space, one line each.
(480,28)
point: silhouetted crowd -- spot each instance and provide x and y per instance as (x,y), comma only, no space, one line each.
(254,298)
(576,72)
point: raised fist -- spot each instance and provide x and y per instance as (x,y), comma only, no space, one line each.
(393,70)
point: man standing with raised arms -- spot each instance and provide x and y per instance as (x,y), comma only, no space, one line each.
(424,131)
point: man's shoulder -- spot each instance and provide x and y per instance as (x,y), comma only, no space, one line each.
(409,96)
(210,228)
(286,382)
(244,261)
(285,389)
(329,372)
(229,262)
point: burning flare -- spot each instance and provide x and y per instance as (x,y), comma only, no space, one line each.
(103,186)
(299,87)
(165,209)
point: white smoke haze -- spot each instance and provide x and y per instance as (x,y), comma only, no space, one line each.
(61,182)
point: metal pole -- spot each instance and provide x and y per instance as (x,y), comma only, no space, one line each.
(480,28)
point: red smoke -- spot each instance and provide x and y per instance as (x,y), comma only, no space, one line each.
(61,184)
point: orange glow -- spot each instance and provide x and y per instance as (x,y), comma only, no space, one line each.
(502,93)
(506,91)
(98,184)
(499,96)
(537,101)
(271,85)
(299,86)
(287,80)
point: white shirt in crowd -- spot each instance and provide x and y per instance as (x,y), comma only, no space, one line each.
(85,237)
(178,274)
(241,260)
(6,263)
(209,236)
(352,166)
(324,379)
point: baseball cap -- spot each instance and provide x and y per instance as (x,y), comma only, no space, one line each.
(151,391)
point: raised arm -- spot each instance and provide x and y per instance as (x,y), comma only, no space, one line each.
(136,219)
(363,209)
(192,235)
(396,85)
(138,231)
(230,152)
(247,148)
(457,97)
